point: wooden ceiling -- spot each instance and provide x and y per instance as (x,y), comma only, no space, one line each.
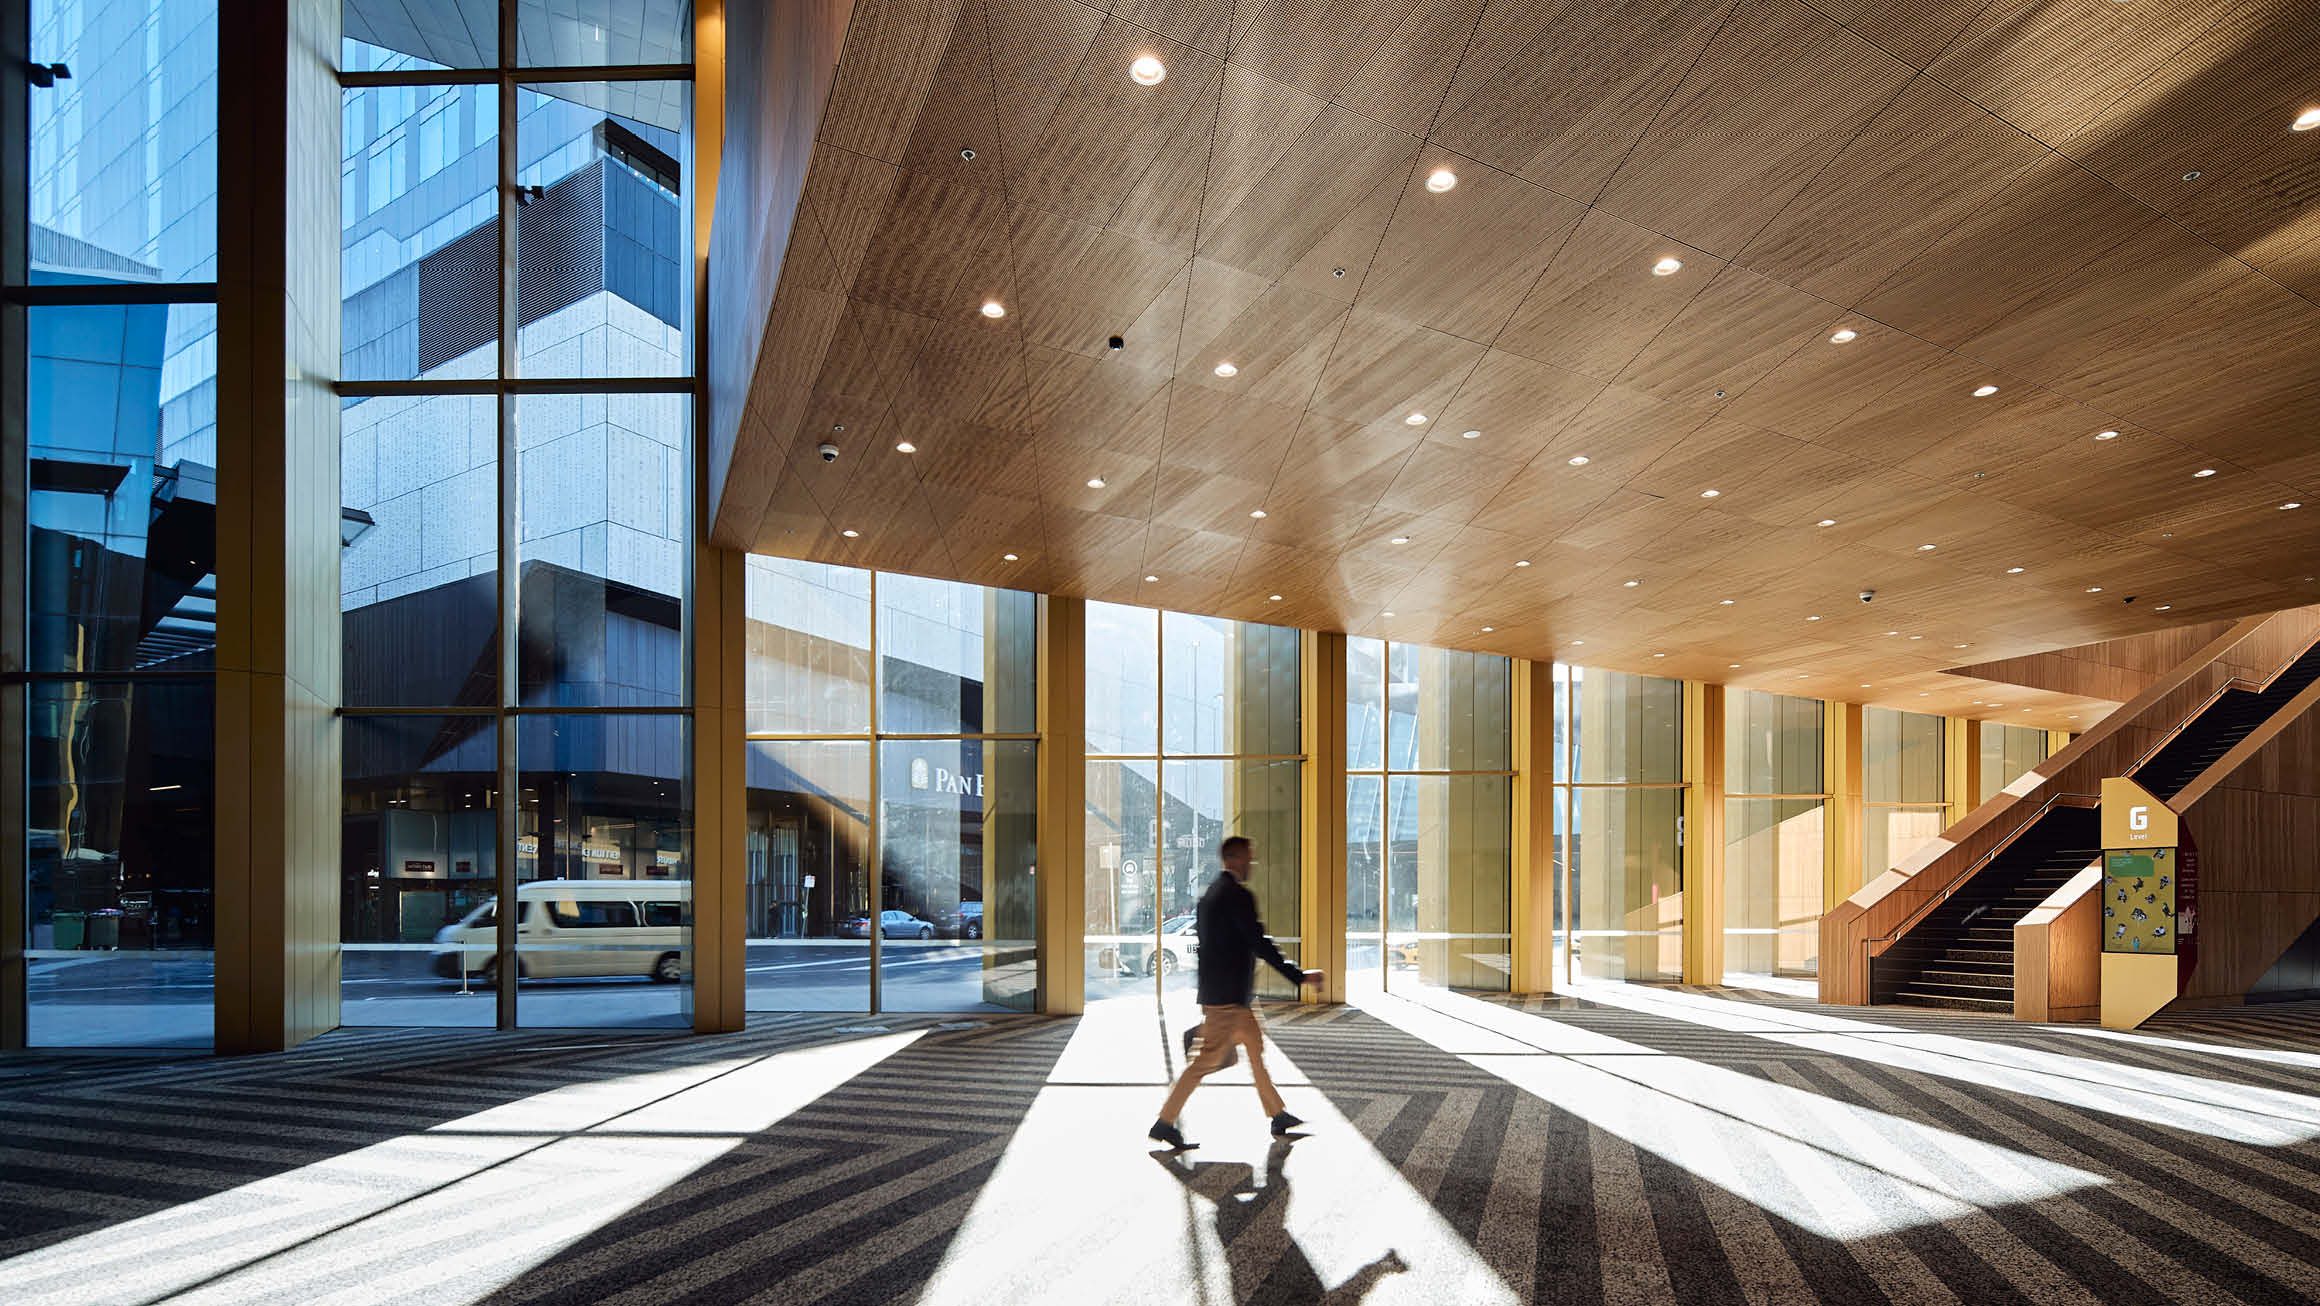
(2098,207)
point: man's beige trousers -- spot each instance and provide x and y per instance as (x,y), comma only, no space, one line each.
(1222,1029)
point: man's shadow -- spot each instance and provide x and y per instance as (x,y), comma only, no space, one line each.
(1251,1222)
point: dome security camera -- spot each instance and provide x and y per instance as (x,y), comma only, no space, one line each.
(829,452)
(1867,595)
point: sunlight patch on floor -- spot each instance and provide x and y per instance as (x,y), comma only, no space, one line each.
(1083,1208)
(452,1214)
(2244,1113)
(1841,1170)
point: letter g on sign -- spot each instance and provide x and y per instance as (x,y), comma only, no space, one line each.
(2138,818)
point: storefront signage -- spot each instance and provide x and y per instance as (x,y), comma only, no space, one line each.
(942,780)
(419,867)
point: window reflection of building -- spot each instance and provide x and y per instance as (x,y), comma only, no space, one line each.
(1903,786)
(892,769)
(1429,795)
(1193,735)
(1619,820)
(1775,851)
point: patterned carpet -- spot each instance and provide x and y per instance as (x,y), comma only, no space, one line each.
(1634,1145)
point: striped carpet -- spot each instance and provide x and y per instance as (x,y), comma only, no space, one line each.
(1628,1145)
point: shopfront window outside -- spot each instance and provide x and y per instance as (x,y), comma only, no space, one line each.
(1192,736)
(1429,812)
(892,791)
(516,489)
(1775,851)
(1620,790)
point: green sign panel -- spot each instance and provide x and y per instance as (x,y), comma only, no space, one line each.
(2139,887)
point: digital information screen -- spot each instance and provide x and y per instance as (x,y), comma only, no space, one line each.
(2139,887)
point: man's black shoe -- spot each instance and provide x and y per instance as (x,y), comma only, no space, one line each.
(1163,1132)
(1283,1123)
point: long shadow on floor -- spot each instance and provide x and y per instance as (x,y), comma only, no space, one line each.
(1251,1220)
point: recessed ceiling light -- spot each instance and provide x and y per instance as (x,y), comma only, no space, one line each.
(1441,179)
(1731,666)
(2106,435)
(1667,267)
(1147,71)
(1008,557)
(1578,643)
(1487,629)
(1957,646)
(1227,369)
(1151,580)
(1401,539)
(1710,494)
(1632,584)
(905,447)
(1801,675)
(2290,504)
(993,308)
(1892,632)
(1844,336)
(2306,121)
(2164,606)
(1917,637)
(1725,603)
(1414,419)
(1385,614)
(1826,521)
(1272,598)
(1659,655)
(1868,686)
(1095,482)
(1812,618)
(2203,473)
(1578,460)
(1925,548)
(1470,435)
(1522,562)
(851,535)
(1984,391)
(2015,571)
(2094,589)
(1256,512)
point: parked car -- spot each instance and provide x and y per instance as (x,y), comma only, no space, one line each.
(578,928)
(894,923)
(963,922)
(1179,946)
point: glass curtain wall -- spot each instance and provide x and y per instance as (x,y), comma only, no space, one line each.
(1775,848)
(111,323)
(516,433)
(1619,802)
(1902,783)
(1192,735)
(1429,797)
(2007,753)
(892,791)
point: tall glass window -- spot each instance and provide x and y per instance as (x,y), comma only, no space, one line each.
(1902,786)
(1775,845)
(516,490)
(2008,752)
(1619,824)
(1429,815)
(115,341)
(893,786)
(1192,735)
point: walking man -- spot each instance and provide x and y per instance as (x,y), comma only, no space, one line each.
(1232,940)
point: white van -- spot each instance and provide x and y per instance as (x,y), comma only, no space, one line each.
(573,928)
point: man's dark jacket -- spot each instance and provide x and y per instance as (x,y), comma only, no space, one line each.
(1232,940)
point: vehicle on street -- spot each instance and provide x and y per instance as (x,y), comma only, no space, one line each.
(578,928)
(894,923)
(1179,947)
(963,922)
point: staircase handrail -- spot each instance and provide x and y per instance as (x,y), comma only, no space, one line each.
(2240,684)
(1869,946)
